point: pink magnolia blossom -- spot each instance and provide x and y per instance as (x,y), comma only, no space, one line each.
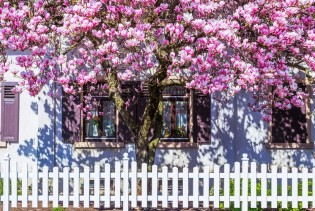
(217,46)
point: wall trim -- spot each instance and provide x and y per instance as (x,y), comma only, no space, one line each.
(95,145)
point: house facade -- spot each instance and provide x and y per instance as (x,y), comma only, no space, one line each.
(197,131)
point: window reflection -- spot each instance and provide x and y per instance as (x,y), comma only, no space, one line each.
(102,123)
(175,112)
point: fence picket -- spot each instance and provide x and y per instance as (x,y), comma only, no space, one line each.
(24,185)
(55,187)
(226,185)
(284,188)
(117,184)
(164,187)
(65,195)
(245,182)
(125,182)
(273,186)
(263,186)
(144,184)
(185,187)
(253,183)
(45,186)
(86,193)
(237,185)
(294,187)
(216,187)
(304,188)
(206,194)
(97,179)
(175,187)
(154,186)
(134,184)
(14,178)
(76,187)
(35,186)
(196,187)
(107,185)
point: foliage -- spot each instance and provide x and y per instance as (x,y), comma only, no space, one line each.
(1,187)
(223,46)
(19,187)
(258,193)
(58,209)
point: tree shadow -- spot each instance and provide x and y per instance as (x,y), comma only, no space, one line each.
(235,130)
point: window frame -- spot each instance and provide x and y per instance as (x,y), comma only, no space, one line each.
(102,142)
(183,98)
(189,141)
(309,144)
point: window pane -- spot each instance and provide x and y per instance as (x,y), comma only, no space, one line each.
(289,126)
(175,119)
(181,119)
(92,125)
(174,91)
(109,119)
(166,131)
(102,125)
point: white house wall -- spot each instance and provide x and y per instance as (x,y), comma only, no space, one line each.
(235,130)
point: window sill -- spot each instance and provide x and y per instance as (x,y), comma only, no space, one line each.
(97,145)
(177,145)
(3,144)
(290,146)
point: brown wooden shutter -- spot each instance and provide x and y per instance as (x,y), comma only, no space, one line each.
(201,118)
(71,119)
(9,113)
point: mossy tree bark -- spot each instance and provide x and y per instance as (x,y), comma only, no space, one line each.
(152,116)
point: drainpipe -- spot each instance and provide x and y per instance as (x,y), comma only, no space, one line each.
(55,113)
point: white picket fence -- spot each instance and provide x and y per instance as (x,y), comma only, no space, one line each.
(127,186)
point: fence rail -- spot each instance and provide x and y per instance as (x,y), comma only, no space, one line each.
(125,186)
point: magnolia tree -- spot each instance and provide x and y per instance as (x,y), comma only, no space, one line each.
(213,46)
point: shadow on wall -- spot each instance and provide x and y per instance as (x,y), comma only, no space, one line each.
(252,136)
(235,130)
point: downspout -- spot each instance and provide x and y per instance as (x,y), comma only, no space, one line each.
(54,119)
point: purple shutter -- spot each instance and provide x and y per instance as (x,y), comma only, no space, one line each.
(71,119)
(201,118)
(9,113)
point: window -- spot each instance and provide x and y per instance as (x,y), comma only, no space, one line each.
(291,128)
(102,125)
(98,132)
(175,114)
(186,118)
(9,113)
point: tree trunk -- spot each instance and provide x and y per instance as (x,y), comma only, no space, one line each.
(152,116)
